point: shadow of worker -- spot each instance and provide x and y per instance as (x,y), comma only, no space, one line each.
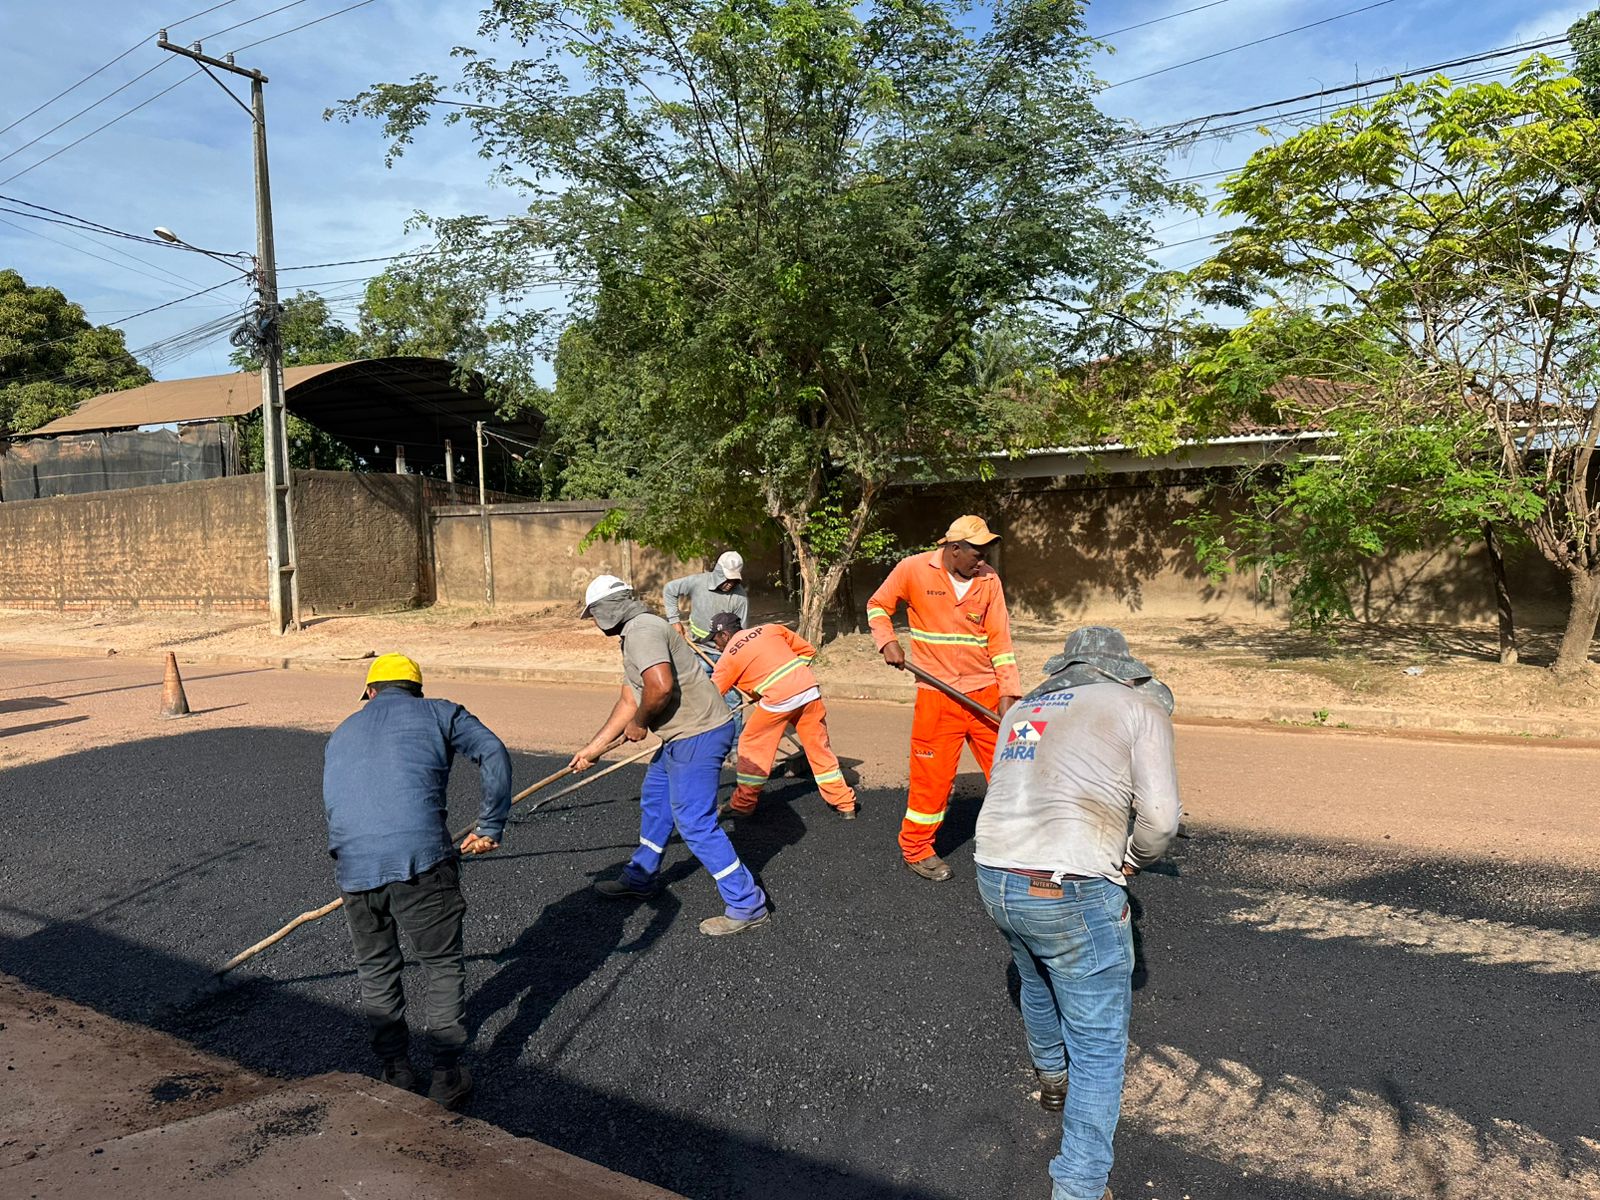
(573,938)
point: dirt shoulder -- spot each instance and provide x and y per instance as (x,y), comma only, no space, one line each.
(1364,677)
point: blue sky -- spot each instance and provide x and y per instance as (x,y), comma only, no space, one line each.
(183,160)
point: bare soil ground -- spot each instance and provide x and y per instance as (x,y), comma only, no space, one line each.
(1442,670)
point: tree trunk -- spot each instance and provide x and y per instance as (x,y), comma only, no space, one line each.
(1582,617)
(1502,596)
(814,595)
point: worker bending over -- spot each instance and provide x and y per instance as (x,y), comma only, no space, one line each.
(384,780)
(719,590)
(666,692)
(773,664)
(1087,756)
(961,634)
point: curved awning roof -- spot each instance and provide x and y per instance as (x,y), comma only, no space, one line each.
(374,402)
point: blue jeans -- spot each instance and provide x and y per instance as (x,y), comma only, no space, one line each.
(1075,956)
(680,788)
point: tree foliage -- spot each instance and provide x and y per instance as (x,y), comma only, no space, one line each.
(52,358)
(1441,243)
(786,228)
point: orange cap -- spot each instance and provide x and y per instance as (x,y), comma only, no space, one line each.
(971,529)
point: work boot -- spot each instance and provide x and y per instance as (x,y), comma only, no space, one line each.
(450,1086)
(933,867)
(1052,1093)
(726,926)
(621,889)
(846,814)
(398,1072)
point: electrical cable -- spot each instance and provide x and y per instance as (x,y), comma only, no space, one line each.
(1246,45)
(298,28)
(98,129)
(1111,33)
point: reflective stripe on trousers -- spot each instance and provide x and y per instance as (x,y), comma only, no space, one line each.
(680,789)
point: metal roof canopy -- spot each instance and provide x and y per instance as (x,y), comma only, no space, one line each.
(384,402)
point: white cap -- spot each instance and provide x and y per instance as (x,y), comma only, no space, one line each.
(731,564)
(603,586)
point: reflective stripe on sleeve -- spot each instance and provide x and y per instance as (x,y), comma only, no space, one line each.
(1004,660)
(874,613)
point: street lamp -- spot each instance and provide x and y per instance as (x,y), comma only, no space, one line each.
(222,256)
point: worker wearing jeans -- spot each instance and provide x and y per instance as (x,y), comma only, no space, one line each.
(384,779)
(1082,755)
(666,692)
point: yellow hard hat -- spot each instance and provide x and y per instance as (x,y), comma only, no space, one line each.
(392,668)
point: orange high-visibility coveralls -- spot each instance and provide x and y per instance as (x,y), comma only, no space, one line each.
(773,664)
(966,643)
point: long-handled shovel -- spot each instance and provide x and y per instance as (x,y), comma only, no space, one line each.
(788,733)
(966,702)
(316,914)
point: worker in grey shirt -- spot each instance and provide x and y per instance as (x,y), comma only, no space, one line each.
(666,692)
(1083,759)
(718,590)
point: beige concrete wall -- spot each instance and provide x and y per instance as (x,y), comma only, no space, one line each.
(537,559)
(179,546)
(362,541)
(202,546)
(1092,550)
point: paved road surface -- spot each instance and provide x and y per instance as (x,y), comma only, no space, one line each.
(1373,972)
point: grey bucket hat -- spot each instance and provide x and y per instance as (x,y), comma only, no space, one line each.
(1105,650)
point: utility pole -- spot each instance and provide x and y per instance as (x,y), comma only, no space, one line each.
(283,583)
(483,517)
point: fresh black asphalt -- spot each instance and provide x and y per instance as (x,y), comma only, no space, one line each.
(863,1046)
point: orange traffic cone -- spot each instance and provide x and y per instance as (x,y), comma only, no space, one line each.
(173,702)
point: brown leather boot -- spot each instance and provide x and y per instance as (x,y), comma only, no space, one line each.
(933,867)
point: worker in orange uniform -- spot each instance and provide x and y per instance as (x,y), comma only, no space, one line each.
(961,634)
(773,664)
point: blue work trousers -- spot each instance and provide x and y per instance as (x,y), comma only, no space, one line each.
(680,789)
(1075,956)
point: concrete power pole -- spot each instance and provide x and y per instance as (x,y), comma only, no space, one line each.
(283,584)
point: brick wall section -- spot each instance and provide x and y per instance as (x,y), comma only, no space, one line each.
(362,541)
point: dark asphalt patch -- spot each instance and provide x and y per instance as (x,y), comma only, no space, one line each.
(861,1047)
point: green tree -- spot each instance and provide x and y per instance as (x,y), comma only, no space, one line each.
(51,358)
(1442,241)
(785,227)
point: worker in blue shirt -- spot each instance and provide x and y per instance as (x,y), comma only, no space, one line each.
(384,780)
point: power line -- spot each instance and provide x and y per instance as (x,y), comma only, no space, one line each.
(78,222)
(307,25)
(90,108)
(1246,45)
(103,67)
(1376,80)
(98,129)
(251,21)
(1111,33)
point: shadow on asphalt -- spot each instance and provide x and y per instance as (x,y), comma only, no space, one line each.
(862,1047)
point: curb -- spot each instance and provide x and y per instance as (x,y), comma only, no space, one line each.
(1197,712)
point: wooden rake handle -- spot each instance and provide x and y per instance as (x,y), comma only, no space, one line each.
(333,906)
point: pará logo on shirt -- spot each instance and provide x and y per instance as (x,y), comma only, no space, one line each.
(1026,731)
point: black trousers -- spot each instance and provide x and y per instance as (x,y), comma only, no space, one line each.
(428,910)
